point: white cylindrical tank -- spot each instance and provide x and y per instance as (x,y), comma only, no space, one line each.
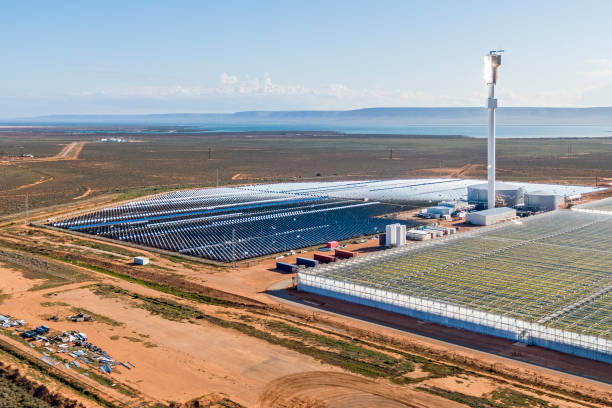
(512,195)
(391,235)
(542,201)
(400,231)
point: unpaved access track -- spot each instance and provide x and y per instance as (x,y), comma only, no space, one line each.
(69,152)
(341,390)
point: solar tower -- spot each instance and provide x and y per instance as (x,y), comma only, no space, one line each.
(492,61)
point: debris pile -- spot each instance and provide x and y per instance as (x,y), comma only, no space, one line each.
(72,343)
(6,322)
(39,331)
(80,317)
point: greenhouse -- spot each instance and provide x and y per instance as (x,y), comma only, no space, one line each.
(604,205)
(545,280)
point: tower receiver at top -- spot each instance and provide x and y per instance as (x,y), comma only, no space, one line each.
(491,62)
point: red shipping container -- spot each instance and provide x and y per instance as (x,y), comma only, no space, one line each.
(324,258)
(344,254)
(332,244)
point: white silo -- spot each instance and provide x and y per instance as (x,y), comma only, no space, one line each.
(390,235)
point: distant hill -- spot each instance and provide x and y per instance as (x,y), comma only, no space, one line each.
(368,116)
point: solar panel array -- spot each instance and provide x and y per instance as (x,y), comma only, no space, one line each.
(406,190)
(231,224)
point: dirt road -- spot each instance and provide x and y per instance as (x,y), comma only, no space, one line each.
(341,390)
(69,152)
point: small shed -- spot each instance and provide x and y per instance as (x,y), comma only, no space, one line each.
(141,260)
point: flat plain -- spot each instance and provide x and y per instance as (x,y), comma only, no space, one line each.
(198,334)
(160,162)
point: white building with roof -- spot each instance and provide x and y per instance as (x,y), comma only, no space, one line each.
(490,216)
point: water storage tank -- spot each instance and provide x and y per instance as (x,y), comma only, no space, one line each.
(400,234)
(395,235)
(390,235)
(542,201)
(510,194)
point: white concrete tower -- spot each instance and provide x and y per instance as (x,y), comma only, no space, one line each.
(491,62)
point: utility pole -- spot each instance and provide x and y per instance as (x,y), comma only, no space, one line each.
(209,153)
(217,177)
(391,154)
(26,208)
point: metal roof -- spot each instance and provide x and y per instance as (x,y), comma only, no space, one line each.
(541,193)
(498,186)
(495,211)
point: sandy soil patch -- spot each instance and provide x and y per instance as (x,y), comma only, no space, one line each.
(242,176)
(187,360)
(417,372)
(253,279)
(12,281)
(474,386)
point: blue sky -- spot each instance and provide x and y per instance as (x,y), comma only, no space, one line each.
(222,56)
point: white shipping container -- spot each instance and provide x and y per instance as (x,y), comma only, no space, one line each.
(141,260)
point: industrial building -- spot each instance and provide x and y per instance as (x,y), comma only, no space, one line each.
(542,201)
(456,205)
(439,211)
(544,281)
(510,195)
(490,216)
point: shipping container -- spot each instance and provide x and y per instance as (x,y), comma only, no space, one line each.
(332,244)
(307,262)
(344,254)
(141,260)
(324,258)
(286,267)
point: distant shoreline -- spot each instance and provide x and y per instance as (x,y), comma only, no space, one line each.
(504,131)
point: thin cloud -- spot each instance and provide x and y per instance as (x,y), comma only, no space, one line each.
(600,68)
(261,91)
